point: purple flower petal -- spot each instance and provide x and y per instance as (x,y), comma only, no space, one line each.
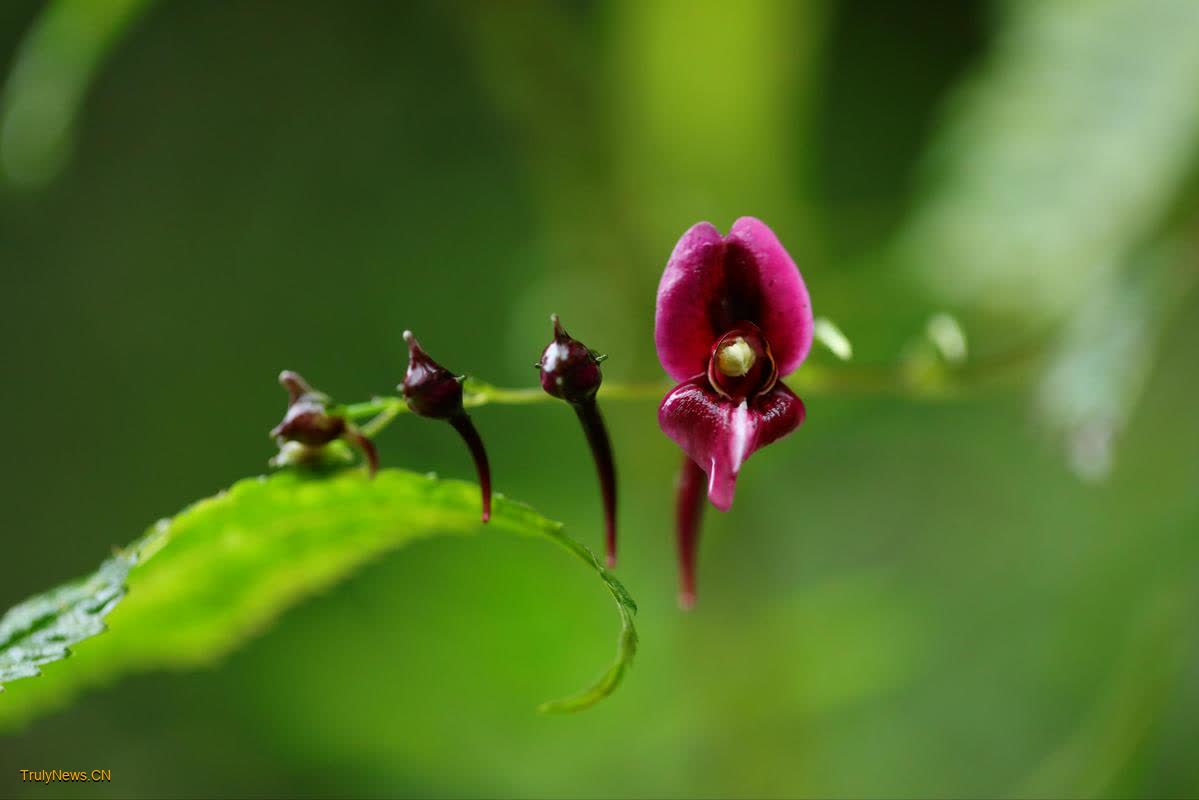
(719,435)
(711,283)
(784,312)
(693,280)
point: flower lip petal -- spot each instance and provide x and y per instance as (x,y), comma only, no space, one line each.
(720,435)
(784,311)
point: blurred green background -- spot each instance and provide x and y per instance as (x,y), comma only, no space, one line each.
(950,581)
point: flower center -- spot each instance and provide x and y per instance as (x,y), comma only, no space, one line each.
(741,366)
(735,358)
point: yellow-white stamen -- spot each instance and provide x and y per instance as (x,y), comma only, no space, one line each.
(736,358)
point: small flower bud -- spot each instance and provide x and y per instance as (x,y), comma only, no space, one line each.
(309,424)
(433,391)
(430,389)
(569,370)
(307,420)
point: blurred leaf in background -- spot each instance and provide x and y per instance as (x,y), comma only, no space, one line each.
(1100,366)
(48,82)
(1066,149)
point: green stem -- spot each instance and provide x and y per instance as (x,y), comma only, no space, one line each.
(928,380)
(392,407)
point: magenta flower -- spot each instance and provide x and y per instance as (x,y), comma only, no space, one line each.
(733,319)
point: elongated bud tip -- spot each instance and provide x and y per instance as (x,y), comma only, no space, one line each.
(417,354)
(686,600)
(295,385)
(569,370)
(288,378)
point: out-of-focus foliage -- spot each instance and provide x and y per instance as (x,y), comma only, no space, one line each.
(1098,369)
(48,82)
(1065,149)
(203,581)
(1063,155)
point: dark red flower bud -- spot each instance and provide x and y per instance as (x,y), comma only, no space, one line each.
(309,423)
(433,391)
(430,389)
(570,371)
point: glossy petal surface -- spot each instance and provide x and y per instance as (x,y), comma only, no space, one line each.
(784,311)
(693,280)
(712,282)
(719,435)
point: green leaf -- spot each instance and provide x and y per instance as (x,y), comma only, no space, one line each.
(41,629)
(203,582)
